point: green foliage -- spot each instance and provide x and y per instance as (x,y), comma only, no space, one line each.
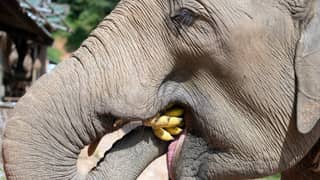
(54,55)
(2,176)
(83,18)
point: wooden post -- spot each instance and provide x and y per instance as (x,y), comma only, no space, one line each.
(43,59)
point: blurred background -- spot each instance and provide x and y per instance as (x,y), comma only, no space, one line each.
(36,35)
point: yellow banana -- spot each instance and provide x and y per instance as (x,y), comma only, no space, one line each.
(174,121)
(164,121)
(152,121)
(176,112)
(162,134)
(168,125)
(174,131)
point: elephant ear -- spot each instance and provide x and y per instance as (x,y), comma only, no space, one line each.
(307,67)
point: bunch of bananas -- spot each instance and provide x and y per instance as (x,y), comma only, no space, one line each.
(167,125)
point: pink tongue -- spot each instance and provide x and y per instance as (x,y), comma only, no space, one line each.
(172,150)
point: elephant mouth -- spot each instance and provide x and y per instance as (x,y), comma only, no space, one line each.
(91,155)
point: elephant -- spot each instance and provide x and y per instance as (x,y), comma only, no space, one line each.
(246,72)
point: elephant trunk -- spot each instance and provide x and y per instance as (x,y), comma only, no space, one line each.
(116,73)
(63,112)
(50,125)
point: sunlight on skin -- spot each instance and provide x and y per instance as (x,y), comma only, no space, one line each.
(157,170)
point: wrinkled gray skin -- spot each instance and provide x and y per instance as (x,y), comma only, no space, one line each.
(234,67)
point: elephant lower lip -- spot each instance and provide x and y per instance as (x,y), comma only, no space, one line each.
(173,151)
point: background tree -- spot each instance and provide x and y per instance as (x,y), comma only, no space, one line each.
(83,17)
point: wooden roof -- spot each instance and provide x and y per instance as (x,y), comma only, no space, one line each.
(17,22)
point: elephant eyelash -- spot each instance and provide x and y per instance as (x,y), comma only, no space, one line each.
(184,17)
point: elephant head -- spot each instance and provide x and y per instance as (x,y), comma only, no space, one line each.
(247,72)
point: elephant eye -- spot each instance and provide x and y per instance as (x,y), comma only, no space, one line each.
(184,17)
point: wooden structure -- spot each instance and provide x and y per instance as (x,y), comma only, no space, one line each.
(25,34)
